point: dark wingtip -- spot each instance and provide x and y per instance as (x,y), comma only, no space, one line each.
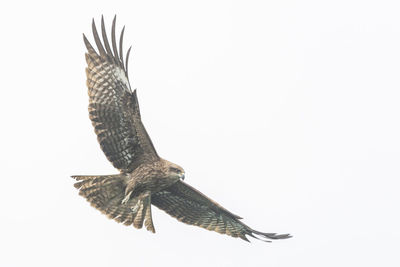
(259,238)
(113,38)
(121,51)
(85,38)
(283,236)
(244,237)
(97,39)
(126,61)
(273,236)
(105,39)
(265,236)
(89,47)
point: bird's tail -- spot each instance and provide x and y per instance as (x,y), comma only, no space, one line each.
(106,194)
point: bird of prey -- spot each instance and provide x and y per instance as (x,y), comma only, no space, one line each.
(144,178)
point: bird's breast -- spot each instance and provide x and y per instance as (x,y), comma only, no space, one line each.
(154,184)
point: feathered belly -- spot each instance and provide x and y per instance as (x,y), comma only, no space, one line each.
(153,184)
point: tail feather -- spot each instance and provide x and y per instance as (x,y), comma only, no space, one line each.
(143,214)
(100,190)
(138,221)
(129,218)
(148,221)
(106,193)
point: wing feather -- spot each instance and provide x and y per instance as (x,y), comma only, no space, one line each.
(113,107)
(114,42)
(126,61)
(121,51)
(190,206)
(105,39)
(97,40)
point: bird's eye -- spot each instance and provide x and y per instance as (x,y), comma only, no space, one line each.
(172,169)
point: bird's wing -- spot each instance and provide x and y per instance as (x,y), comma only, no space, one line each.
(190,206)
(113,107)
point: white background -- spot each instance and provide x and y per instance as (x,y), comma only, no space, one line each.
(285,112)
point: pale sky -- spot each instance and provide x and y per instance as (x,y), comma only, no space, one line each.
(284,112)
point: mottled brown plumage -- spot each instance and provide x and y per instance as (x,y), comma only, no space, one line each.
(145,179)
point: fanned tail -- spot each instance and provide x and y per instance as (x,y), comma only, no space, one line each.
(106,193)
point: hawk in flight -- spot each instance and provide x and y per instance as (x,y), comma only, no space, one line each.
(144,178)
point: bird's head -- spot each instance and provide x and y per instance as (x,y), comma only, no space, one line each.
(174,171)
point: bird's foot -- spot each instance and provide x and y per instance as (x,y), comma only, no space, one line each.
(135,208)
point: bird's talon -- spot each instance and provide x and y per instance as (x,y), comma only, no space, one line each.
(135,208)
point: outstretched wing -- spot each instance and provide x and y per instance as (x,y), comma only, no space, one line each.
(113,108)
(190,206)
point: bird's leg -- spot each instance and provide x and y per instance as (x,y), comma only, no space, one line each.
(126,198)
(128,191)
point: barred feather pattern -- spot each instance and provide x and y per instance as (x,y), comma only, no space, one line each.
(113,107)
(190,206)
(106,193)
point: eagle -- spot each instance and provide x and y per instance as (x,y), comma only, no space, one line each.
(144,178)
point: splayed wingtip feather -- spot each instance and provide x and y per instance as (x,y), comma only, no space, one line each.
(105,39)
(97,40)
(121,52)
